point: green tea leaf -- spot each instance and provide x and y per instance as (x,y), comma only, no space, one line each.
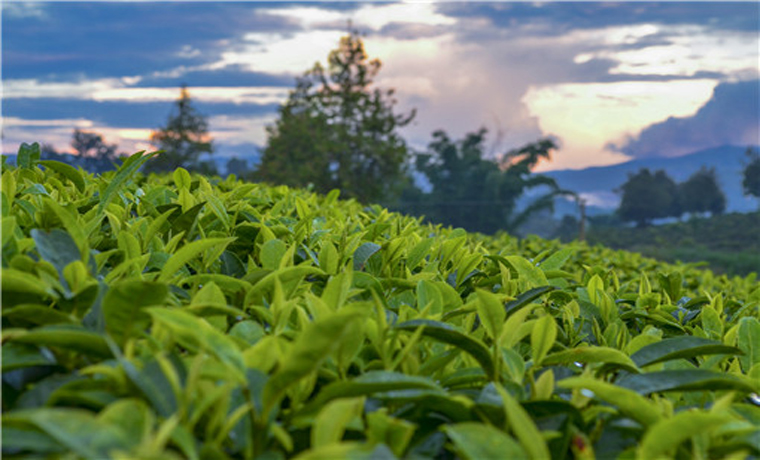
(311,348)
(188,253)
(195,333)
(76,429)
(125,171)
(679,347)
(418,253)
(18,356)
(124,307)
(662,439)
(271,254)
(683,380)
(523,427)
(428,296)
(629,402)
(69,337)
(28,155)
(446,333)
(491,313)
(557,260)
(542,338)
(592,355)
(363,253)
(525,298)
(67,171)
(370,383)
(331,422)
(527,271)
(749,342)
(56,247)
(477,441)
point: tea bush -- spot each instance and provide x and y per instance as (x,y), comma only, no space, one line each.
(179,316)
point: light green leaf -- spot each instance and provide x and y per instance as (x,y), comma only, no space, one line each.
(195,333)
(491,312)
(428,296)
(629,402)
(312,346)
(523,427)
(542,338)
(748,339)
(592,355)
(664,437)
(332,420)
(271,254)
(188,253)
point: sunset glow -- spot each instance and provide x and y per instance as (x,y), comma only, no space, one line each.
(592,75)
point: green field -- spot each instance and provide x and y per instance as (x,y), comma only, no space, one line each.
(181,316)
(727,244)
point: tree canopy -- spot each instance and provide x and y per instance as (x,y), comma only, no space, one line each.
(336,130)
(751,179)
(184,138)
(648,196)
(91,144)
(701,193)
(475,192)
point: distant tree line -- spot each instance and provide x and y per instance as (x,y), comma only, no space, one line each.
(338,131)
(647,196)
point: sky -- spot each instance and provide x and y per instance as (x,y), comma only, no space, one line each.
(609,81)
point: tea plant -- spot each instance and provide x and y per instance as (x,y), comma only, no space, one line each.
(180,316)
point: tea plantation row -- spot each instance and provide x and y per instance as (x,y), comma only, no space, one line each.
(187,317)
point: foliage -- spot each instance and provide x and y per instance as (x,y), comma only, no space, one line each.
(185,317)
(751,174)
(337,131)
(701,193)
(474,192)
(91,144)
(727,243)
(648,196)
(184,138)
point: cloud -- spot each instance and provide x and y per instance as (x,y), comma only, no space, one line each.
(730,117)
(587,115)
(111,89)
(558,18)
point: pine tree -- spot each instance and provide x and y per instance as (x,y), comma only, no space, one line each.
(184,138)
(337,131)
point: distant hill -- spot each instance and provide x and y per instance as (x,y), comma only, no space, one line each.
(599,183)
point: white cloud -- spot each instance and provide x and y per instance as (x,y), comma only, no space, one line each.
(372,16)
(240,129)
(691,49)
(589,116)
(24,10)
(188,51)
(117,89)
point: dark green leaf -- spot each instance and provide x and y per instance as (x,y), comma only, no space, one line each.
(527,297)
(28,155)
(446,333)
(123,307)
(19,355)
(680,347)
(67,171)
(56,247)
(363,253)
(69,337)
(477,441)
(683,380)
